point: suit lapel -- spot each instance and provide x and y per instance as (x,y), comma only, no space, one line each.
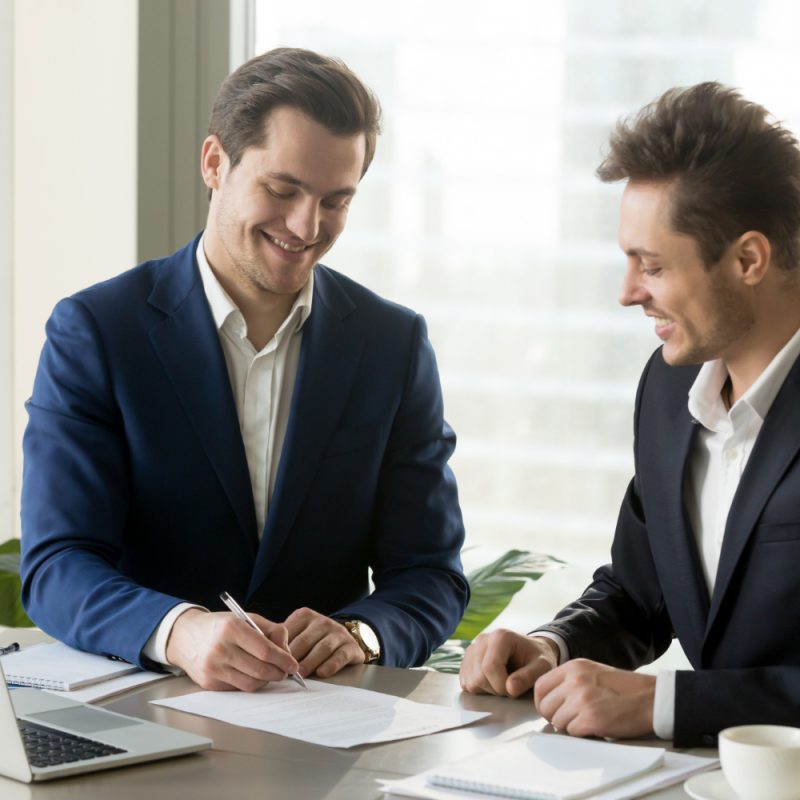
(329,358)
(187,343)
(672,538)
(773,452)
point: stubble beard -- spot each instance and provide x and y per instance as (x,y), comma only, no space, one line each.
(730,320)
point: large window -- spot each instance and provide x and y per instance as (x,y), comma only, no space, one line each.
(481,211)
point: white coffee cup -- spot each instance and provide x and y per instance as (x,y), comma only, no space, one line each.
(761,762)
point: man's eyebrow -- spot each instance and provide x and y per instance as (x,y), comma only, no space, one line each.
(640,251)
(285,177)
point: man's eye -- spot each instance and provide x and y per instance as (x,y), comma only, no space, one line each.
(336,205)
(651,271)
(280,195)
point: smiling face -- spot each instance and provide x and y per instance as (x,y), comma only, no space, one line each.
(280,209)
(700,314)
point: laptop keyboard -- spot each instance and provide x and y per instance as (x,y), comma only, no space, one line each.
(47,747)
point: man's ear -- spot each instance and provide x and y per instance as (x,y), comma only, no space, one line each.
(212,162)
(753,254)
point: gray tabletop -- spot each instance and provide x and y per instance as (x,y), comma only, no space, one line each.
(247,764)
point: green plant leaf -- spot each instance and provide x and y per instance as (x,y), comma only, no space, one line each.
(493,586)
(448,657)
(11,610)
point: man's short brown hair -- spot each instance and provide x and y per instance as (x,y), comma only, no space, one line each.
(321,87)
(732,170)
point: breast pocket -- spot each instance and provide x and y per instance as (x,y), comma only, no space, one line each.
(788,532)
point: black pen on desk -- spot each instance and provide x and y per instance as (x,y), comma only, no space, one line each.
(244,616)
(12,648)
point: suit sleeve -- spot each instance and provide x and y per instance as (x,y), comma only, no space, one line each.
(75,500)
(621,618)
(420,588)
(708,701)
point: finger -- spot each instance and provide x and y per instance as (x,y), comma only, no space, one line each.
(338,660)
(555,706)
(259,668)
(546,683)
(300,619)
(252,647)
(339,646)
(469,672)
(279,636)
(565,717)
(523,679)
(304,642)
(495,674)
(225,666)
(274,631)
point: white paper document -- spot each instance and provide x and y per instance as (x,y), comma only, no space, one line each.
(326,714)
(109,688)
(673,768)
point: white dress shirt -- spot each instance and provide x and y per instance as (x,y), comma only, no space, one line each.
(717,460)
(262,383)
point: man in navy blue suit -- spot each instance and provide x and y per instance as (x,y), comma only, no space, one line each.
(707,544)
(238,417)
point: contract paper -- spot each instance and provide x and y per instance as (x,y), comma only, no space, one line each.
(325,714)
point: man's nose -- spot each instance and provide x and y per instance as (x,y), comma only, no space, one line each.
(303,220)
(633,293)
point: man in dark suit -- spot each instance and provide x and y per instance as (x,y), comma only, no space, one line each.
(237,417)
(707,544)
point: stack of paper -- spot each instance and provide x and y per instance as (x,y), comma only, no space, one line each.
(56,666)
(544,766)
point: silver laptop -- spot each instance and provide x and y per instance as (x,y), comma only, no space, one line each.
(44,736)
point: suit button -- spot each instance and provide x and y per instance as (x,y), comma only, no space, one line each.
(709,739)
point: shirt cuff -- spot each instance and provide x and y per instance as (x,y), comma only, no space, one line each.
(563,650)
(156,646)
(664,705)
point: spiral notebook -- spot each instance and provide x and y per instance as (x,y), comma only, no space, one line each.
(57,666)
(548,767)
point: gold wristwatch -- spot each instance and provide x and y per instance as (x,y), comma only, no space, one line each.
(365,638)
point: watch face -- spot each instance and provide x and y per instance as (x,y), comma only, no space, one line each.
(369,638)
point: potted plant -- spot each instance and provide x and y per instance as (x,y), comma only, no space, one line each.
(11,611)
(492,586)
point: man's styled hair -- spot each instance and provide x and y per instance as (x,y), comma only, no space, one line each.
(321,87)
(732,169)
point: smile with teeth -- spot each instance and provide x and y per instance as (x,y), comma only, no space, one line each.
(661,321)
(285,245)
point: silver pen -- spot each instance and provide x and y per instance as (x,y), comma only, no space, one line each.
(238,611)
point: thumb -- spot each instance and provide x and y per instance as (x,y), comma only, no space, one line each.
(522,679)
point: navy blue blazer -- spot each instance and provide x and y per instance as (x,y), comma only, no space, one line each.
(743,640)
(136,492)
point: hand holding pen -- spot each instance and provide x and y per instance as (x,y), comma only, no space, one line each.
(238,611)
(219,653)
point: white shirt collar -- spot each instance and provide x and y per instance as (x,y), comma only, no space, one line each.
(705,400)
(223,308)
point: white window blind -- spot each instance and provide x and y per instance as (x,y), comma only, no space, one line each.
(481,211)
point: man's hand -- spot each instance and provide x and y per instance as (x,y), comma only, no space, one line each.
(321,645)
(585,698)
(218,651)
(506,663)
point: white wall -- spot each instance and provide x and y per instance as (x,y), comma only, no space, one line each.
(75,166)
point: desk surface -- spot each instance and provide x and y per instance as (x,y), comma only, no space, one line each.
(248,764)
